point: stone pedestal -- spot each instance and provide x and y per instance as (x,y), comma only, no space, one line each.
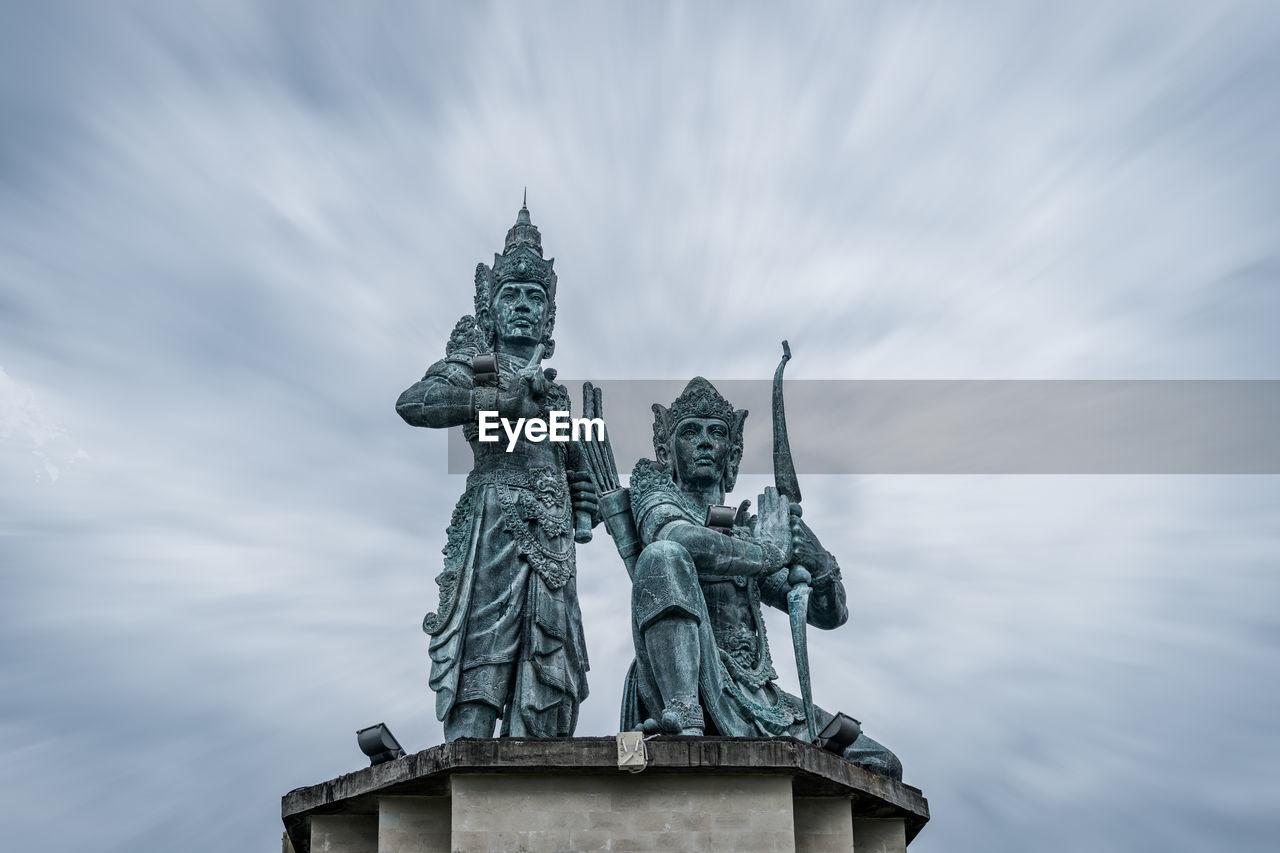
(713,794)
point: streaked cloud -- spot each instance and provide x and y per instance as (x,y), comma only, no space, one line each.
(231,234)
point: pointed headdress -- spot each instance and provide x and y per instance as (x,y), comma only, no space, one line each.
(700,399)
(521,260)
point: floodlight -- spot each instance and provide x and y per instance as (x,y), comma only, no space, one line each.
(837,735)
(379,744)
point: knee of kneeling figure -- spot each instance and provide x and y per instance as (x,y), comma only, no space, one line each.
(874,757)
(666,582)
(664,557)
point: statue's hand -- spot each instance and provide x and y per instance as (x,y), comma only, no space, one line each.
(774,524)
(537,380)
(799,575)
(521,401)
(807,550)
(582,491)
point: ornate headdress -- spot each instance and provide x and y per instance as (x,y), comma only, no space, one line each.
(700,399)
(521,260)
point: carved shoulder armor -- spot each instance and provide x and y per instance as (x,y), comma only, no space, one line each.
(656,500)
(465,340)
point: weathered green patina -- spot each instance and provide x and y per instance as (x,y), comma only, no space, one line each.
(506,640)
(702,661)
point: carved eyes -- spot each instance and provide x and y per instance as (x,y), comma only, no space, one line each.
(534,295)
(691,431)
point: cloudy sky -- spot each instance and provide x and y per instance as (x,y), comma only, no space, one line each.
(231,234)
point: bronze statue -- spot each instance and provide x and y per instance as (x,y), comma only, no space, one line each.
(700,573)
(506,640)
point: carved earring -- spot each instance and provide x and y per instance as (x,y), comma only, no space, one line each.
(731,469)
(485,323)
(667,459)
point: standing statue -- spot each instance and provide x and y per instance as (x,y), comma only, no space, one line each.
(702,662)
(506,640)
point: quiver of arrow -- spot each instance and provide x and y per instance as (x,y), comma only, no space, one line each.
(615,506)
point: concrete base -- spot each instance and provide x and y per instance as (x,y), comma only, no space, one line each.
(823,825)
(494,814)
(872,835)
(344,832)
(713,794)
(415,824)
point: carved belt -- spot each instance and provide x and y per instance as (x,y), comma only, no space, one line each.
(520,477)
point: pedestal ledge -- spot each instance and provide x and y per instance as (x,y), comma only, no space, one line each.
(813,773)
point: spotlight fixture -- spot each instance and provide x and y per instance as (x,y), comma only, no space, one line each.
(837,735)
(379,744)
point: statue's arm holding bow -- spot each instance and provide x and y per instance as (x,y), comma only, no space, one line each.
(715,555)
(827,608)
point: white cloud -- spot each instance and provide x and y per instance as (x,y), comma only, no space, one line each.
(26,430)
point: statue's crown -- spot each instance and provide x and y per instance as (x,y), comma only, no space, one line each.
(521,258)
(700,399)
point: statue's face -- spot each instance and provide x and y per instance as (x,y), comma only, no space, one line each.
(520,312)
(701,448)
